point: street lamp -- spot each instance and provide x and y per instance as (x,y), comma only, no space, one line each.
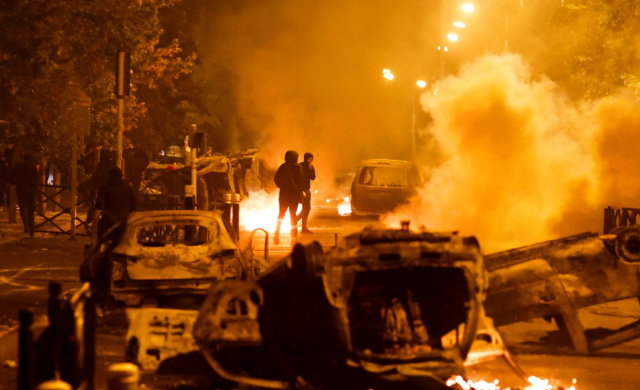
(386,73)
(467,7)
(452,37)
(459,24)
(421,83)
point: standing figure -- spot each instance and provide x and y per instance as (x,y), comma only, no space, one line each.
(4,181)
(308,174)
(25,177)
(288,179)
(116,198)
(135,163)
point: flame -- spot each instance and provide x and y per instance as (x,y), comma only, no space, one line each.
(260,210)
(344,207)
(535,384)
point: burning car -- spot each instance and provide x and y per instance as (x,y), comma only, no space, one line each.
(553,279)
(385,309)
(162,255)
(382,185)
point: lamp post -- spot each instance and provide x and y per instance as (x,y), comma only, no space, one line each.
(421,84)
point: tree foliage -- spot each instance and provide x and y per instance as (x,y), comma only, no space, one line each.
(591,47)
(47,44)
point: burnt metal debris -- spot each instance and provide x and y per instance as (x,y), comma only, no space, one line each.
(555,278)
(386,308)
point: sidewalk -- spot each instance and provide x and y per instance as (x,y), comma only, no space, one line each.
(14,232)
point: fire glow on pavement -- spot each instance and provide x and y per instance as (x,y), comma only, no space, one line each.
(535,384)
(260,210)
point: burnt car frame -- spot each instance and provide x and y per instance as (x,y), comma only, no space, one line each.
(554,279)
(386,308)
(380,186)
(158,256)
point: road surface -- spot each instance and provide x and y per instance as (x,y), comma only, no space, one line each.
(27,265)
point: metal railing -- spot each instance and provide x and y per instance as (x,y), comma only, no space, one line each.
(53,224)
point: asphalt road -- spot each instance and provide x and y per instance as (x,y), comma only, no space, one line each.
(27,266)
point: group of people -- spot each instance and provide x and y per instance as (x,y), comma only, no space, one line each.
(294,181)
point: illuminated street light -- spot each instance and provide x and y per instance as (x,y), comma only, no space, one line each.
(386,73)
(459,24)
(439,48)
(452,37)
(467,7)
(446,48)
(421,83)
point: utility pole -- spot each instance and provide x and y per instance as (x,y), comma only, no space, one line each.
(194,164)
(80,123)
(123,61)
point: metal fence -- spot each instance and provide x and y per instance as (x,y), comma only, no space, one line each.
(60,198)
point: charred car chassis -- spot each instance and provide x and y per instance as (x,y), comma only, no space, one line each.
(553,279)
(386,308)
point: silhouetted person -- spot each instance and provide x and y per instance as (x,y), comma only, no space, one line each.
(25,177)
(172,181)
(288,178)
(135,163)
(116,198)
(4,181)
(308,174)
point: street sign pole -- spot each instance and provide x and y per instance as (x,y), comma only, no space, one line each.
(123,61)
(120,96)
(74,181)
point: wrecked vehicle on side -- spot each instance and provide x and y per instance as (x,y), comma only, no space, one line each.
(554,279)
(385,309)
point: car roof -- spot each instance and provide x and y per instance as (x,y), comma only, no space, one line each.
(387,162)
(138,216)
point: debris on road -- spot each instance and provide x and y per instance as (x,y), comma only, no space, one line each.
(555,278)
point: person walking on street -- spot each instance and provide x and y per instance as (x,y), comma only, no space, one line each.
(288,179)
(116,198)
(25,178)
(308,174)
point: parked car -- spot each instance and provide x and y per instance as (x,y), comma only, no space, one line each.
(382,185)
(162,255)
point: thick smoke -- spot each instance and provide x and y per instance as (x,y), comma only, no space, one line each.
(309,76)
(521,163)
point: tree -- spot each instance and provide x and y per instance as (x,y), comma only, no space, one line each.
(46,44)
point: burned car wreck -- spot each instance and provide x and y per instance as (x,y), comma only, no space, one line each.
(386,308)
(555,278)
(157,257)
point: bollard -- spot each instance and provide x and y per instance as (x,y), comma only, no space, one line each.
(226,211)
(235,199)
(189,204)
(89,340)
(123,376)
(25,350)
(54,384)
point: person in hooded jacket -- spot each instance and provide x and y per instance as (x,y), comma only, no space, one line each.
(289,179)
(116,198)
(308,174)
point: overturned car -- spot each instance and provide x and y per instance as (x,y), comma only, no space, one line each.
(386,308)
